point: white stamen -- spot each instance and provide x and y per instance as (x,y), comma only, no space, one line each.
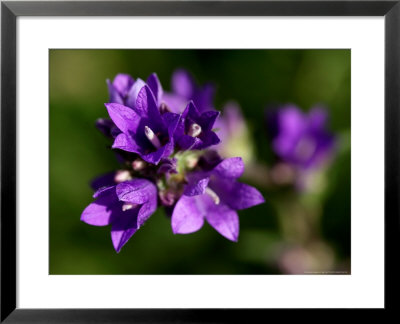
(138,165)
(194,130)
(152,137)
(191,161)
(213,195)
(121,176)
(128,206)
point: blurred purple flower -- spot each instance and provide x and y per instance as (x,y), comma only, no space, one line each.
(125,206)
(184,89)
(233,131)
(143,129)
(194,131)
(301,139)
(214,195)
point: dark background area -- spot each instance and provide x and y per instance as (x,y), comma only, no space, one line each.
(256,79)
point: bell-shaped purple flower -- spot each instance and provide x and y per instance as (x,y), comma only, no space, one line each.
(215,196)
(125,90)
(194,131)
(301,139)
(120,87)
(184,89)
(125,207)
(143,129)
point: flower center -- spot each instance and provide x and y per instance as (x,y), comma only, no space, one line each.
(194,130)
(122,175)
(213,195)
(128,206)
(152,137)
(138,165)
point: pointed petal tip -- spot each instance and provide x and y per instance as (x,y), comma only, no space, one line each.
(117,247)
(234,239)
(85,217)
(258,199)
(231,236)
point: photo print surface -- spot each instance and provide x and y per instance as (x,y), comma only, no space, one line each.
(200,161)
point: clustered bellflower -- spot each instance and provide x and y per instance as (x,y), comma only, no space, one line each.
(164,142)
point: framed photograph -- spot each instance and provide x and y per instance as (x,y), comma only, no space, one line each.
(192,161)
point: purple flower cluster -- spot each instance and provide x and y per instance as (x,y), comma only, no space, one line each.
(164,141)
(303,144)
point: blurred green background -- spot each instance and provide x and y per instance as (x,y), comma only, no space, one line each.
(291,233)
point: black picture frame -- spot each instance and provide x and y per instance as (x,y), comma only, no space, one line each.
(10,10)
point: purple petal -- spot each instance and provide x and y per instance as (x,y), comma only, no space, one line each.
(99,212)
(237,195)
(121,237)
(114,94)
(155,85)
(134,92)
(224,220)
(123,228)
(136,191)
(123,117)
(122,83)
(187,142)
(191,111)
(187,216)
(162,152)
(182,83)
(172,121)
(147,209)
(146,105)
(175,103)
(230,168)
(196,186)
(126,143)
(103,191)
(96,214)
(198,143)
(105,180)
(208,119)
(208,139)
